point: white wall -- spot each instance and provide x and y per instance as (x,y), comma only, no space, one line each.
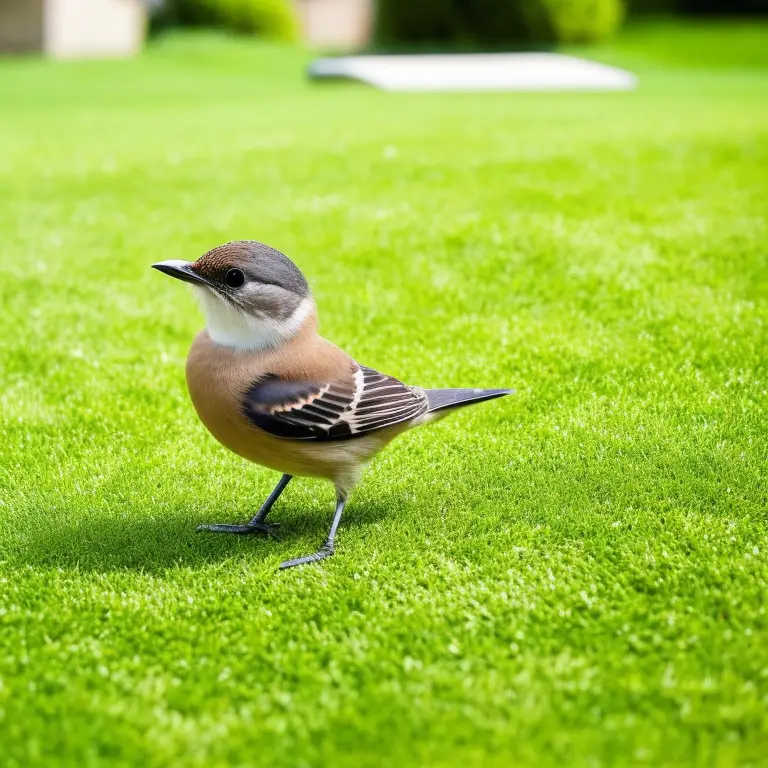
(74,28)
(336,24)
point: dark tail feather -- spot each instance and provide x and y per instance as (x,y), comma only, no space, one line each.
(439,399)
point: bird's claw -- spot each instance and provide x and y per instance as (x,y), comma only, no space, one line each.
(266,529)
(325,551)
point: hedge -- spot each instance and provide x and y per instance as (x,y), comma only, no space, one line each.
(496,22)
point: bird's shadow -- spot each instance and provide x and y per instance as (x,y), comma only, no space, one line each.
(136,541)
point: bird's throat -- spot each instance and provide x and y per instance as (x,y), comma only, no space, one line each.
(231,327)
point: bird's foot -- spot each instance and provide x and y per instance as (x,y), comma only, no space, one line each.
(266,529)
(325,551)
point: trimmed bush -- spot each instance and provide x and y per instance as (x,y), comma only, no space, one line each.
(575,21)
(267,18)
(701,7)
(496,22)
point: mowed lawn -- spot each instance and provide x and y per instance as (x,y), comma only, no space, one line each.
(576,575)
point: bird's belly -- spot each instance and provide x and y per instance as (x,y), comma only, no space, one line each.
(216,397)
(338,461)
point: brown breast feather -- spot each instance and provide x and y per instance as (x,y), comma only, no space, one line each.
(218,377)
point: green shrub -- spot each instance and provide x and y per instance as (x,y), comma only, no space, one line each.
(267,18)
(495,22)
(574,21)
(700,7)
(653,7)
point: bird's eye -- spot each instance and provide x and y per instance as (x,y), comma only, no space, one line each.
(234,278)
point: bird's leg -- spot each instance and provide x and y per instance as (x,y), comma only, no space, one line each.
(257,524)
(327,549)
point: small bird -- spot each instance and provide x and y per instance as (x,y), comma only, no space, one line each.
(270,388)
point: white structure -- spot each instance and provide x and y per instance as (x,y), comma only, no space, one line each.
(72,28)
(477,72)
(338,25)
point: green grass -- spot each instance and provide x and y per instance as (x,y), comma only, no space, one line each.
(573,576)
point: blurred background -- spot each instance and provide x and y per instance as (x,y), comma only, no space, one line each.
(118,27)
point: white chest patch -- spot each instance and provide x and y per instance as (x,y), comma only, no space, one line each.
(231,327)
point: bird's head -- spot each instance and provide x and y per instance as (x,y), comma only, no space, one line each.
(253,296)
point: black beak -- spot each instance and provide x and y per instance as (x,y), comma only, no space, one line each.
(181,270)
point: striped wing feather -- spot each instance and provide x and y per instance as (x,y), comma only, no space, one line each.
(339,410)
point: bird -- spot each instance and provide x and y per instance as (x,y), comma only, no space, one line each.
(269,388)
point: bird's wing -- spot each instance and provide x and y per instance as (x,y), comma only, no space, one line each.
(348,407)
